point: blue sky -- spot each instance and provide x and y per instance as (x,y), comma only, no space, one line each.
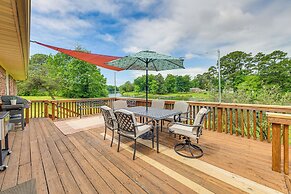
(182,28)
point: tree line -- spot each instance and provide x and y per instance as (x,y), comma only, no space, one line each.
(62,75)
(158,84)
(244,71)
(245,78)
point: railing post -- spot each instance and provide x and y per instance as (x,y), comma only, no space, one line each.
(46,115)
(277,120)
(219,119)
(276,147)
(27,115)
(53,110)
(286,148)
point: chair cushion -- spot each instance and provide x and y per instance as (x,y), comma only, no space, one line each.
(119,104)
(158,104)
(181,106)
(143,129)
(199,117)
(183,130)
(139,131)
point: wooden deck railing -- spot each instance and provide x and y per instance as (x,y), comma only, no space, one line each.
(245,120)
(280,125)
(60,109)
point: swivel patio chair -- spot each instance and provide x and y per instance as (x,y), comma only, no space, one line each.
(187,149)
(158,104)
(179,106)
(128,127)
(109,121)
(119,104)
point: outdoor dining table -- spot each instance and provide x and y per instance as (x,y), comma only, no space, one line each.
(155,114)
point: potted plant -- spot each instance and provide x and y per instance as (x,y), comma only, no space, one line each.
(13,100)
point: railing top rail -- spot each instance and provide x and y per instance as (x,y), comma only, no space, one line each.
(258,107)
(261,107)
(72,100)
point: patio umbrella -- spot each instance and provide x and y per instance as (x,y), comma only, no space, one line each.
(148,61)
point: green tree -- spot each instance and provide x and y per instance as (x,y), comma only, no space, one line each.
(160,84)
(153,87)
(251,83)
(126,87)
(111,89)
(274,69)
(234,66)
(139,84)
(38,82)
(170,83)
(79,79)
(183,83)
(201,81)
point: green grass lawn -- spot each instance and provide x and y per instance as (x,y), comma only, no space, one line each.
(203,96)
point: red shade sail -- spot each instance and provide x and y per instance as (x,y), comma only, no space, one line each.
(96,59)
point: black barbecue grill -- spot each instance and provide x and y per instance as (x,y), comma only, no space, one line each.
(16,111)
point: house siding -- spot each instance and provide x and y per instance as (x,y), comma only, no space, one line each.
(12,83)
(12,86)
(2,81)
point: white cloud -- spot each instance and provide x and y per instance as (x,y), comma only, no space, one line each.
(75,6)
(108,38)
(189,56)
(132,49)
(199,26)
(71,26)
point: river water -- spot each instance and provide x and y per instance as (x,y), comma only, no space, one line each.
(113,95)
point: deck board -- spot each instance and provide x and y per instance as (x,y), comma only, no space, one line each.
(137,171)
(84,162)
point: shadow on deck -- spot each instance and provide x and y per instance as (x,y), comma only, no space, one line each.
(84,162)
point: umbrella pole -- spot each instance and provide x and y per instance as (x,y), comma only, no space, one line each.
(147,84)
(115,84)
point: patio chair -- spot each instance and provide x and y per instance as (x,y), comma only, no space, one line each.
(128,127)
(158,104)
(119,104)
(109,121)
(187,149)
(180,106)
(131,103)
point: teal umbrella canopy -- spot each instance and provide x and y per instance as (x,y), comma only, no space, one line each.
(150,60)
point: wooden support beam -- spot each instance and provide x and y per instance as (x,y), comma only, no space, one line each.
(286,148)
(278,120)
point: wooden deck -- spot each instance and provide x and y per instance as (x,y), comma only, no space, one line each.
(85,163)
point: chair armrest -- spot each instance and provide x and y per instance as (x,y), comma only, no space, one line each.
(146,123)
(188,125)
(192,118)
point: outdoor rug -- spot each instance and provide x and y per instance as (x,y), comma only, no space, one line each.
(27,187)
(76,125)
